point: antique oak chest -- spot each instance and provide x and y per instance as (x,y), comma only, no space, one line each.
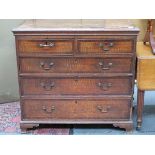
(75,73)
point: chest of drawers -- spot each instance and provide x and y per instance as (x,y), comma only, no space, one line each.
(76,76)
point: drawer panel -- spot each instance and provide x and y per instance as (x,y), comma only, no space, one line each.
(75,65)
(105,46)
(76,86)
(46,46)
(76,109)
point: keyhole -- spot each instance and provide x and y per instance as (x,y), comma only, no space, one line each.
(76,79)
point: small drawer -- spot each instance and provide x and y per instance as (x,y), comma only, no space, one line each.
(76,86)
(46,46)
(75,65)
(105,46)
(76,109)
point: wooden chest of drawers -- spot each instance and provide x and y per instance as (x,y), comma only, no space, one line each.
(75,76)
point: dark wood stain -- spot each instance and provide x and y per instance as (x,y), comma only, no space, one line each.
(76,77)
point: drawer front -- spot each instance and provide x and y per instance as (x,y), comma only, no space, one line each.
(146,73)
(105,46)
(76,86)
(76,109)
(46,46)
(75,65)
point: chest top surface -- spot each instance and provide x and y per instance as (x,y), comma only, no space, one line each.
(76,25)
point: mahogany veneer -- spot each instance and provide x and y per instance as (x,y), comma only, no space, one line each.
(76,75)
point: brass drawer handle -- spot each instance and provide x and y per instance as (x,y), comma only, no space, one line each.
(104,86)
(105,67)
(47,44)
(106,45)
(46,66)
(103,109)
(48,110)
(47,85)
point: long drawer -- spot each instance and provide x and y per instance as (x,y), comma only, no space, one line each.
(75,65)
(76,86)
(76,109)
